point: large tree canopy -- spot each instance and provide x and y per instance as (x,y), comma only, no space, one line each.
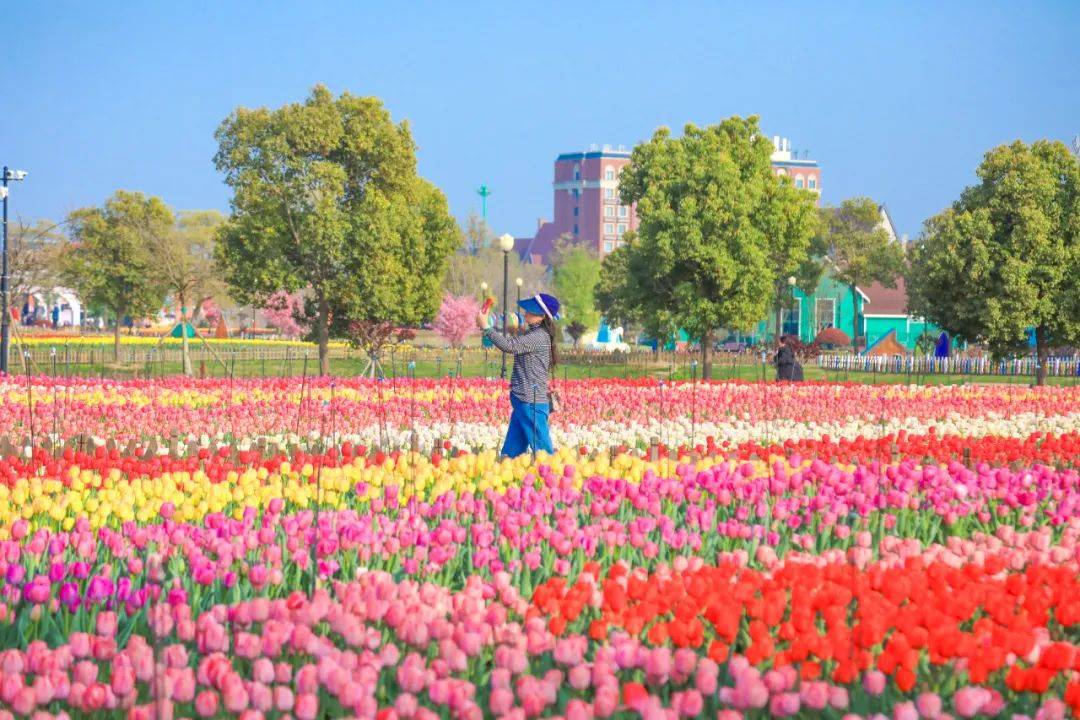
(1005,258)
(111,262)
(326,199)
(712,220)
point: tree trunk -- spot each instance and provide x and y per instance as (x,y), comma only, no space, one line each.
(116,335)
(322,330)
(854,320)
(185,351)
(1042,354)
(706,355)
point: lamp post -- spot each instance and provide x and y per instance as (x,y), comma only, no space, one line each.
(5,325)
(506,244)
(791,284)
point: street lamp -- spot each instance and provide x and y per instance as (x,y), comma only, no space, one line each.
(5,325)
(791,284)
(519,282)
(506,244)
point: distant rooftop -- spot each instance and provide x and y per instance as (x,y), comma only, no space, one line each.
(596,151)
(784,156)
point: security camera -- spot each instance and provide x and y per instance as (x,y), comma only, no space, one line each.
(15,175)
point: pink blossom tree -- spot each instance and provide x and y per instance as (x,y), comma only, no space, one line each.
(284,312)
(211,311)
(456,319)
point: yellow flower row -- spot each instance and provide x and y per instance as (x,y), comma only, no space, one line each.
(114,499)
(213,397)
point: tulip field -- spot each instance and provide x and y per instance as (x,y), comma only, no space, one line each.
(331,548)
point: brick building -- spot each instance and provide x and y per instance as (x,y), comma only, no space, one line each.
(587,209)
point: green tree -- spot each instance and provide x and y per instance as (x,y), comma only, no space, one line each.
(1005,258)
(614,294)
(111,262)
(185,268)
(860,250)
(326,199)
(576,272)
(709,212)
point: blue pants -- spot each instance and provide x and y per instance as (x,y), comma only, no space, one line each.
(528,428)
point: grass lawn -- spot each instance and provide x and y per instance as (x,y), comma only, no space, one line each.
(574,368)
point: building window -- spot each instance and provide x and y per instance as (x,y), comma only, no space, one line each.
(575,230)
(609,229)
(608,246)
(575,211)
(825,313)
(575,193)
(798,181)
(609,193)
(623,211)
(622,228)
(609,173)
(609,211)
(577,171)
(812,183)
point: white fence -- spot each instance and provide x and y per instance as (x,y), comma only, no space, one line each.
(1058,366)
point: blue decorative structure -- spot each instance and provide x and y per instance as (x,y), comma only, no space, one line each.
(941,350)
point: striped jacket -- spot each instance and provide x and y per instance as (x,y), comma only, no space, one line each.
(532,361)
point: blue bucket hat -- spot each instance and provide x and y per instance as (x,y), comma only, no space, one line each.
(541,304)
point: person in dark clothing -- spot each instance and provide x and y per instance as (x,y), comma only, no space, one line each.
(784,361)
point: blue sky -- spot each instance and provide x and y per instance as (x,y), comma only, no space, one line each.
(897,101)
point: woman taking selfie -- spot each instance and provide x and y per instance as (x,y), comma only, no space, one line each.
(535,354)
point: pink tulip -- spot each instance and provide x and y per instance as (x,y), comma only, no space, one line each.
(874,682)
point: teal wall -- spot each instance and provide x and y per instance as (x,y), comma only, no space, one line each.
(814,315)
(835,309)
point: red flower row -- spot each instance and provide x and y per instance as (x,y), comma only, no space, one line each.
(838,620)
